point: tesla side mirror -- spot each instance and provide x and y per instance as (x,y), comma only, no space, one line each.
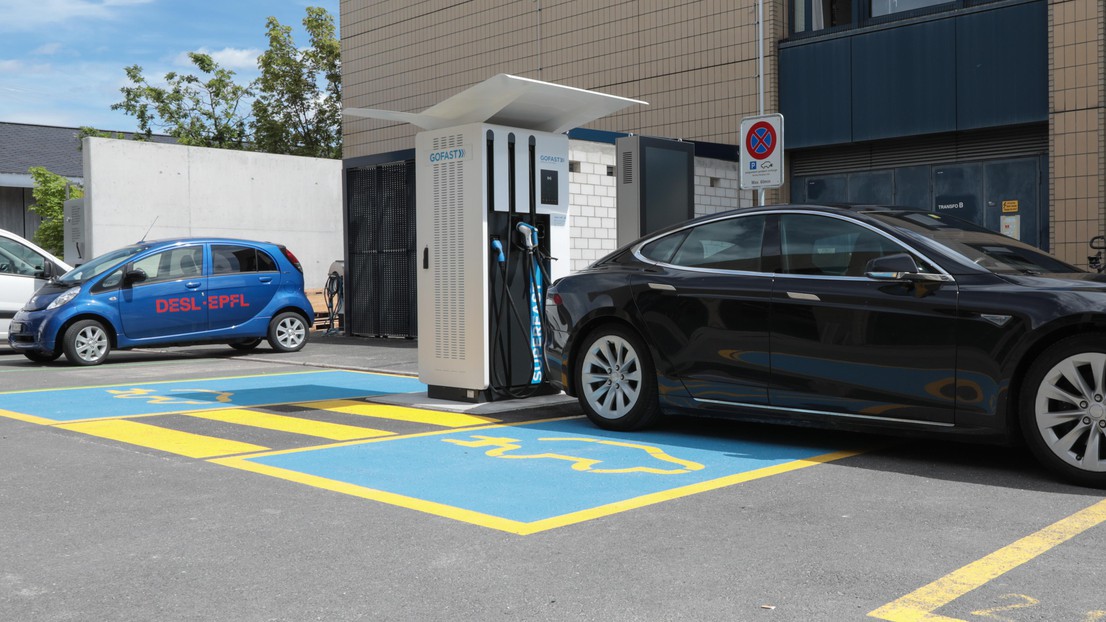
(134,276)
(896,267)
(899,267)
(44,271)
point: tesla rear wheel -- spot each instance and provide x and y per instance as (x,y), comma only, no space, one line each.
(41,357)
(246,344)
(86,343)
(1063,409)
(288,332)
(615,380)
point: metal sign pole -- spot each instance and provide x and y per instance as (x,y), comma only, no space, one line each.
(760,73)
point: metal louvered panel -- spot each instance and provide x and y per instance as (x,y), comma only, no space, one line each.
(922,150)
(381,250)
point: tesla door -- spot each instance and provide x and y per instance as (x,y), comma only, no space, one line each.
(706,308)
(849,345)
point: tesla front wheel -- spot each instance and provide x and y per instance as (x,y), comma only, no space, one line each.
(288,332)
(615,380)
(1063,409)
(86,343)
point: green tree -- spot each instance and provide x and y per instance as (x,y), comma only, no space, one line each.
(299,93)
(203,112)
(86,131)
(50,192)
(294,107)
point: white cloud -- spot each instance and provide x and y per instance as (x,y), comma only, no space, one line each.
(23,15)
(228,58)
(47,49)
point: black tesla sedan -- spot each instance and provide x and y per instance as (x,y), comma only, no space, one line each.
(871,318)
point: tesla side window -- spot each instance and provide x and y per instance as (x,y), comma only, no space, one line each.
(730,244)
(661,250)
(822,245)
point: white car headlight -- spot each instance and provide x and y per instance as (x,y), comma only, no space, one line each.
(66,296)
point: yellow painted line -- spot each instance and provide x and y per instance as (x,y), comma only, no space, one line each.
(919,605)
(294,425)
(397,437)
(172,441)
(503,524)
(28,418)
(428,507)
(400,413)
(143,384)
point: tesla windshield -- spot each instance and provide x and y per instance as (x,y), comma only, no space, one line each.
(997,253)
(99,265)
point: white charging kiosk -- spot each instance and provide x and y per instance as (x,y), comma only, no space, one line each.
(489,158)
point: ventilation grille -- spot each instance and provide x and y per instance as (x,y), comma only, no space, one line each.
(923,150)
(448,253)
(626,163)
(381,251)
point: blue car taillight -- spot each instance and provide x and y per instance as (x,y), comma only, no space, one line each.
(292,258)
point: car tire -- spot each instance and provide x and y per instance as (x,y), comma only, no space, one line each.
(41,357)
(615,380)
(288,332)
(245,345)
(1062,409)
(86,342)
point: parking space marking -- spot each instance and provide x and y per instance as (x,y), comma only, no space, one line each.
(163,439)
(919,605)
(573,472)
(293,425)
(179,396)
(400,413)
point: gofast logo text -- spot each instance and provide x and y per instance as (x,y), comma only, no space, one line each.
(447,155)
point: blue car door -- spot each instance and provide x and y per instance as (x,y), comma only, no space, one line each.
(243,281)
(170,301)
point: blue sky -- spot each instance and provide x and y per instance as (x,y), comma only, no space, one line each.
(61,61)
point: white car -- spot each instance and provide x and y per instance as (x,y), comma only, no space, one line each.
(24,268)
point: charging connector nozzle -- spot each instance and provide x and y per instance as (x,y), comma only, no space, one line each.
(497,247)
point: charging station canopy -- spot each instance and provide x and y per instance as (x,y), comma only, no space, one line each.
(511,101)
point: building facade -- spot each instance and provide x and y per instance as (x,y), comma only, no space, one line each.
(988,109)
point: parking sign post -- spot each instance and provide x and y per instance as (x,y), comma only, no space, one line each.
(761,152)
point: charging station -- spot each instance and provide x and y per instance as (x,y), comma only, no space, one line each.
(492,229)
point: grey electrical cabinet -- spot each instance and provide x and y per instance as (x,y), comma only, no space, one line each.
(656,184)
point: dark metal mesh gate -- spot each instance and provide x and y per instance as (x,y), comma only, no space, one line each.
(380,294)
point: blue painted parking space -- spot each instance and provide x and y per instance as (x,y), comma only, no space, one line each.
(127,400)
(530,477)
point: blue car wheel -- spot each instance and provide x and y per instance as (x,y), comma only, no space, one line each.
(86,343)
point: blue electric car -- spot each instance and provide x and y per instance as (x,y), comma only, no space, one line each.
(168,293)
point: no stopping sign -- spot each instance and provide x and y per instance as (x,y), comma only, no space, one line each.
(762,151)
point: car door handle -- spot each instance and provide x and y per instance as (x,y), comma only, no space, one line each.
(192,284)
(801,296)
(265,279)
(664,287)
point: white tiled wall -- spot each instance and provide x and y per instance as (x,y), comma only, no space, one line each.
(593,201)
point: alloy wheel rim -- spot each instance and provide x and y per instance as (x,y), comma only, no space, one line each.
(1070,411)
(91,343)
(610,377)
(290,332)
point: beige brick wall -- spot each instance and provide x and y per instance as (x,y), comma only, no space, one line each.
(694,62)
(1077,126)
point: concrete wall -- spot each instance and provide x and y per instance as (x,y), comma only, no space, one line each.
(195,191)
